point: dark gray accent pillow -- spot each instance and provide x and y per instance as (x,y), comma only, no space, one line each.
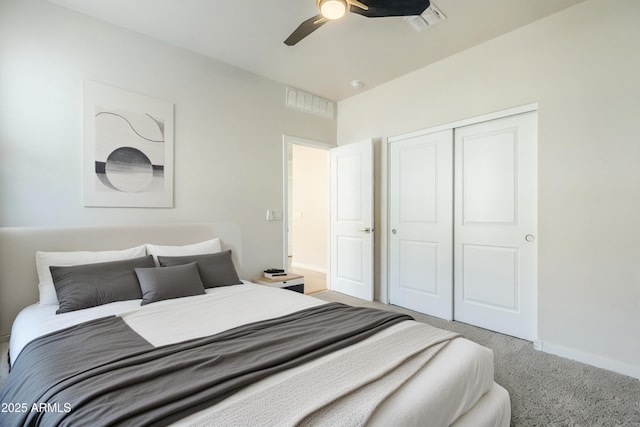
(215,269)
(90,285)
(159,283)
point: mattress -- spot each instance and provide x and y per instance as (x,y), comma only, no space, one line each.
(455,386)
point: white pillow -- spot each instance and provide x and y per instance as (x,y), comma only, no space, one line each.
(44,260)
(202,248)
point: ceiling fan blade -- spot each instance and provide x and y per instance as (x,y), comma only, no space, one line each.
(304,29)
(383,8)
(358,4)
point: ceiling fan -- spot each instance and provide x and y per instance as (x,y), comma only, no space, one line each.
(335,9)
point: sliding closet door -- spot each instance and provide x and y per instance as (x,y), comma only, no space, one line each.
(496,225)
(421,222)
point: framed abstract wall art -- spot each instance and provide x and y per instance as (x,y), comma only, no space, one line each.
(127,148)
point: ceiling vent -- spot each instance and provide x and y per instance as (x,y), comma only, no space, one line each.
(430,17)
(308,103)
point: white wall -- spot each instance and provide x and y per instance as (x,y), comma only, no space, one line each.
(228,127)
(581,66)
(310,210)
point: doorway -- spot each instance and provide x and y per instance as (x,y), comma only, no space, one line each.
(306,228)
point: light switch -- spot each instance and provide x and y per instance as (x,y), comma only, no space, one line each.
(273,215)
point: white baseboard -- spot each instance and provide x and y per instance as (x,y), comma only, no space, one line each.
(590,359)
(309,267)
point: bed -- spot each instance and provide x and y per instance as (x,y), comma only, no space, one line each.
(377,368)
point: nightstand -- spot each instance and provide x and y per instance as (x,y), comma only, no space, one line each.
(292,282)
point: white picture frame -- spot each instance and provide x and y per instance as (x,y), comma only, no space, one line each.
(127,148)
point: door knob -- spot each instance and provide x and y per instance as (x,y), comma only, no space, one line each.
(393,231)
(366,229)
(529,238)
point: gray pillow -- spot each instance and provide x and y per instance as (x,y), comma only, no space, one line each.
(159,283)
(90,285)
(215,269)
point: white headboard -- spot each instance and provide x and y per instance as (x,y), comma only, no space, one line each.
(18,278)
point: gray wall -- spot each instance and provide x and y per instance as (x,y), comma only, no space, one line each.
(228,127)
(581,66)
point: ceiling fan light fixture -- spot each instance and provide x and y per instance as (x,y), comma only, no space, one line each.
(333,9)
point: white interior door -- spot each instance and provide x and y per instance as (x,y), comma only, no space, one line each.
(421,223)
(496,225)
(351,236)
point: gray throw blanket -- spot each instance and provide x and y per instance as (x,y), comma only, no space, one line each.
(102,373)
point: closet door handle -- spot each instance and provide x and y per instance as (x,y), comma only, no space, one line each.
(529,238)
(366,230)
(393,231)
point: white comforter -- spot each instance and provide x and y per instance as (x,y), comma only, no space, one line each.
(448,386)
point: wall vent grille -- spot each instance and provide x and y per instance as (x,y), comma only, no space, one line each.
(309,103)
